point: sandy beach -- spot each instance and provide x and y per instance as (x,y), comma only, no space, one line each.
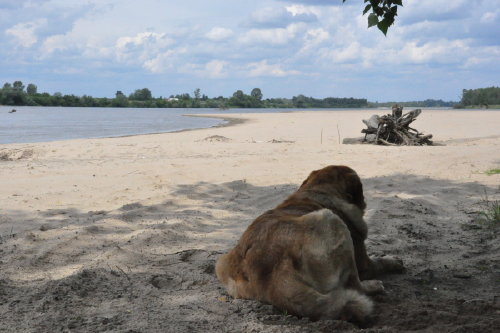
(121,234)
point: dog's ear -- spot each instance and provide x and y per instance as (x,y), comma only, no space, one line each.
(354,189)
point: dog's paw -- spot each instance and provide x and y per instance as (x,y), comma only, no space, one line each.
(389,264)
(372,287)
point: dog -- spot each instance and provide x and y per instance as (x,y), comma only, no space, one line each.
(307,256)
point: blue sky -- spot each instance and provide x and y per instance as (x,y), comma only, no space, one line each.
(318,48)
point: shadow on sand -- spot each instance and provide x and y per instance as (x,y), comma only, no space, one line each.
(151,268)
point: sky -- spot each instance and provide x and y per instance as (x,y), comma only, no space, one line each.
(318,48)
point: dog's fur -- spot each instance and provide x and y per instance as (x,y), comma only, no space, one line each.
(307,255)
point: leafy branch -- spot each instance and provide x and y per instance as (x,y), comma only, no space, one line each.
(383,13)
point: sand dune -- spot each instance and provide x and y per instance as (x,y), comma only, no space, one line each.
(121,234)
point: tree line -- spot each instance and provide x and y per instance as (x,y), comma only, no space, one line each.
(19,94)
(482,97)
(428,103)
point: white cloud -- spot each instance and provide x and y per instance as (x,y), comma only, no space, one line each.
(54,43)
(313,39)
(146,39)
(24,33)
(268,15)
(485,56)
(434,10)
(162,62)
(218,34)
(149,48)
(350,53)
(280,17)
(347,54)
(216,68)
(278,36)
(262,68)
(442,51)
(301,9)
(489,17)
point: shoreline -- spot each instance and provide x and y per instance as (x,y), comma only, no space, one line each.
(229,122)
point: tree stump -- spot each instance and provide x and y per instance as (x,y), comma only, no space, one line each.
(394,129)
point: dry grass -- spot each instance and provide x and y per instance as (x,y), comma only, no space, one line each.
(490,211)
(492,172)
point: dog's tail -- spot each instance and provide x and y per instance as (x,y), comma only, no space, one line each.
(345,304)
(351,305)
(222,268)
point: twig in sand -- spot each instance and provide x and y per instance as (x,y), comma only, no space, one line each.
(112,271)
(121,270)
(338,133)
(281,141)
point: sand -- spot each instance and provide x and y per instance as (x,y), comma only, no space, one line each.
(121,234)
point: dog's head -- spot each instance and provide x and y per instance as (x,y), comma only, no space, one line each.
(340,180)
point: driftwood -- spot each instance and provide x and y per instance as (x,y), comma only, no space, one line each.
(394,129)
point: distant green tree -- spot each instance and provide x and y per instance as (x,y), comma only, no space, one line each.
(256,98)
(238,99)
(299,101)
(480,97)
(185,97)
(31,89)
(13,94)
(70,100)
(87,101)
(238,94)
(120,100)
(143,94)
(18,86)
(57,99)
(43,99)
(197,93)
(256,93)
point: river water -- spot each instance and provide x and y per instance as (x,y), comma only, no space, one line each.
(41,124)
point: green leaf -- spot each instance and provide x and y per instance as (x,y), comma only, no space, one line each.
(379,11)
(372,20)
(384,26)
(388,18)
(367,8)
(397,2)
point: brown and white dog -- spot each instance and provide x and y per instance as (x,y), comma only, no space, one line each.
(307,255)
